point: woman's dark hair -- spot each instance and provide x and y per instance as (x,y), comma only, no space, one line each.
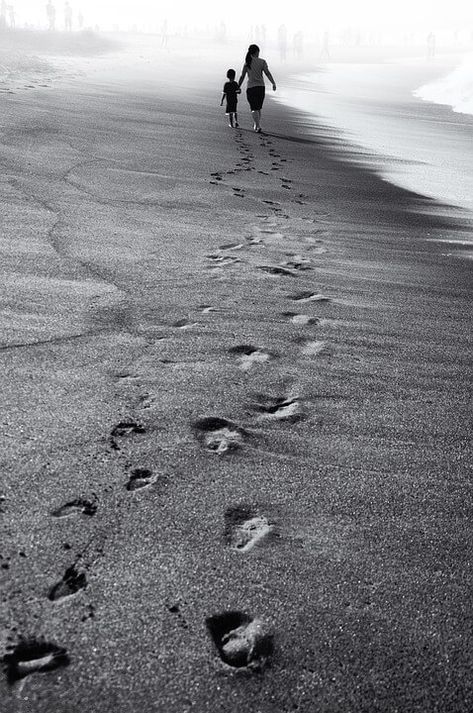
(252,49)
(231,74)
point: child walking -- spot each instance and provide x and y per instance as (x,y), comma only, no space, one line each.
(230,91)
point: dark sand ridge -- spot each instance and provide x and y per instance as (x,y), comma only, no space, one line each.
(151,292)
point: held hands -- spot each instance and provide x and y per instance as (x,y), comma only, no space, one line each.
(274,87)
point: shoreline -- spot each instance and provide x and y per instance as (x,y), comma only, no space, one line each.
(184,272)
(373,111)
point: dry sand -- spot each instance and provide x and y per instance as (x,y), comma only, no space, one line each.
(235,379)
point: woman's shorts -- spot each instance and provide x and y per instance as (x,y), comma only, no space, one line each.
(255,96)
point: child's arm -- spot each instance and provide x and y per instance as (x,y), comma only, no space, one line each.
(223,97)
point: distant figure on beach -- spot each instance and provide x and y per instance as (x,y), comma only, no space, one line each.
(51,15)
(11,16)
(325,51)
(3,14)
(298,45)
(67,17)
(80,20)
(164,33)
(282,42)
(221,33)
(430,45)
(254,68)
(230,91)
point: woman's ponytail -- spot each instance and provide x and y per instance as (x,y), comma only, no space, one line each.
(252,49)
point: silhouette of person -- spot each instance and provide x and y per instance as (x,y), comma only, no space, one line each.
(298,45)
(67,17)
(430,45)
(282,42)
(223,32)
(164,33)
(80,20)
(51,14)
(230,93)
(254,68)
(325,51)
(3,14)
(11,16)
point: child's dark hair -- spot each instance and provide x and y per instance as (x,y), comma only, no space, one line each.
(231,74)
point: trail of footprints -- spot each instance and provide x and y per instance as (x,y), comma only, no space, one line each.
(240,640)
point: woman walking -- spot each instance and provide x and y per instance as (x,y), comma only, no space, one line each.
(254,68)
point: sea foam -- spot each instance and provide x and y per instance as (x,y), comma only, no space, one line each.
(455,89)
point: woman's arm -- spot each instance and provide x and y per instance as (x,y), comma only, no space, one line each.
(269,75)
(244,72)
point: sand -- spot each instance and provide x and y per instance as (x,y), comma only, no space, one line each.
(234,416)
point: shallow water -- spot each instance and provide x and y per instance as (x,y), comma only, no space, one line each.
(419,145)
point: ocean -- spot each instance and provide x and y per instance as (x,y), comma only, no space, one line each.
(410,119)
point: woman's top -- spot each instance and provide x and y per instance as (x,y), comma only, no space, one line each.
(255,72)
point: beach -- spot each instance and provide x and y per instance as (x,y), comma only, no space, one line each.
(236,398)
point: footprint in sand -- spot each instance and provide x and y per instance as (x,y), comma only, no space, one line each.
(184,324)
(301,319)
(207,309)
(75,507)
(140,478)
(231,246)
(271,233)
(275,270)
(279,408)
(175,609)
(298,262)
(254,240)
(219,435)
(217,175)
(124,429)
(33,656)
(249,356)
(244,528)
(219,260)
(71,583)
(309,297)
(241,640)
(312,347)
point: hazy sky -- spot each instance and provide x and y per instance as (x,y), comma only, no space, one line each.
(306,14)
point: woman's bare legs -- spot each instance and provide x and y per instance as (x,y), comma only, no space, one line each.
(256,113)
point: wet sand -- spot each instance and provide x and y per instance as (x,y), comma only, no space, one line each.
(236,379)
